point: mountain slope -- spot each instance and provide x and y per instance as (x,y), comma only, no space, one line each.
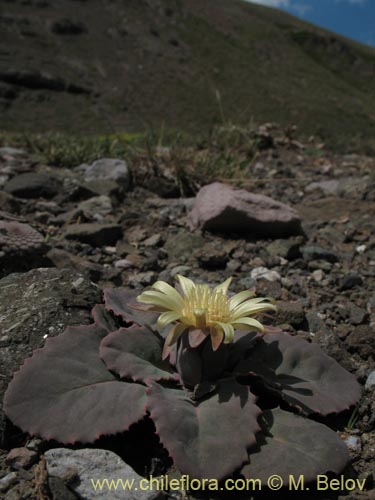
(104,65)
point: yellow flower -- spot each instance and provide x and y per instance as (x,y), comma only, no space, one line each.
(204,311)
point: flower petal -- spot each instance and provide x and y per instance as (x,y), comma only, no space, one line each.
(223,287)
(196,337)
(171,292)
(158,298)
(240,297)
(216,338)
(245,323)
(186,284)
(166,318)
(228,331)
(247,309)
(175,332)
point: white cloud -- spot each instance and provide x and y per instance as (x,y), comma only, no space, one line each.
(300,8)
(272,3)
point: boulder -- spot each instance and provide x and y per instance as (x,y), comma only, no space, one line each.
(222,208)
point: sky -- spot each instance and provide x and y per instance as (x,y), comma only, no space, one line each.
(352,18)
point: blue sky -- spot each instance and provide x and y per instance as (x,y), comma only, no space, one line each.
(352,18)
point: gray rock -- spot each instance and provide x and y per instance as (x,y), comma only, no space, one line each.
(350,281)
(65,260)
(315,322)
(222,208)
(290,312)
(370,382)
(285,248)
(330,187)
(92,465)
(180,246)
(353,444)
(33,185)
(318,253)
(7,481)
(96,208)
(263,273)
(34,305)
(9,151)
(97,235)
(108,169)
(21,457)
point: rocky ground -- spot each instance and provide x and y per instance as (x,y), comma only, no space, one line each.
(67,233)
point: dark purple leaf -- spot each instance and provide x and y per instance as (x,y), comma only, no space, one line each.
(136,353)
(295,446)
(208,439)
(301,374)
(65,392)
(104,318)
(118,300)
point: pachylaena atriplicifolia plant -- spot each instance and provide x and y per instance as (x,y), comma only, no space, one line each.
(197,362)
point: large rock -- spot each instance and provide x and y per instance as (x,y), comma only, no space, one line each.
(33,185)
(97,235)
(107,169)
(88,467)
(222,208)
(35,305)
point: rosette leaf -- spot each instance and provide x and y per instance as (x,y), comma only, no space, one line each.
(300,374)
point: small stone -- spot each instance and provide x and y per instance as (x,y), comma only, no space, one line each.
(318,253)
(353,444)
(329,187)
(184,270)
(370,382)
(357,315)
(94,234)
(107,169)
(96,208)
(7,481)
(350,281)
(92,465)
(153,241)
(361,249)
(264,273)
(212,258)
(286,248)
(21,457)
(33,185)
(290,312)
(234,265)
(315,321)
(318,275)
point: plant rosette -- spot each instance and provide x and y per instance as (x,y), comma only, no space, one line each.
(213,379)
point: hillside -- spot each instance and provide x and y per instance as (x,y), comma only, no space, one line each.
(102,66)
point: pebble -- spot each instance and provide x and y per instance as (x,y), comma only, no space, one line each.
(95,464)
(264,273)
(318,275)
(350,281)
(370,382)
(7,481)
(353,444)
(21,458)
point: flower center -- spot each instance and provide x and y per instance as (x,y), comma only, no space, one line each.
(204,306)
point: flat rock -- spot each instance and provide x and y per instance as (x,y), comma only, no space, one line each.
(96,208)
(107,169)
(34,305)
(92,465)
(94,234)
(32,185)
(222,208)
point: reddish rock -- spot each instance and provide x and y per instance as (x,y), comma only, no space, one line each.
(222,208)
